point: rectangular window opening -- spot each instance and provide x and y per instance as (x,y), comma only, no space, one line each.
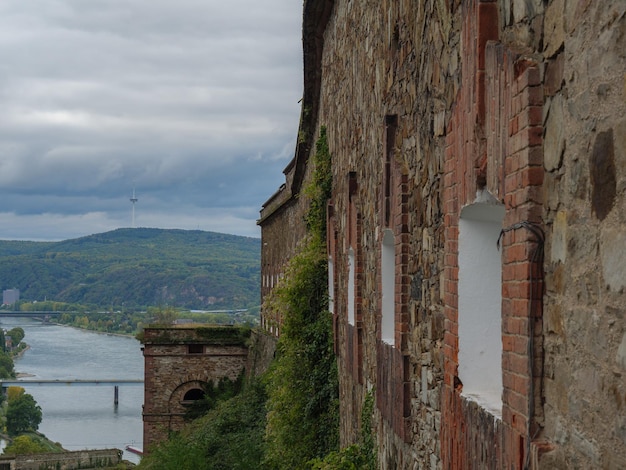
(195,348)
(391,126)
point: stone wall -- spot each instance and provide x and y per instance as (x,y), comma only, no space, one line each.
(584,75)
(261,352)
(282,223)
(446,115)
(180,360)
(85,459)
(370,103)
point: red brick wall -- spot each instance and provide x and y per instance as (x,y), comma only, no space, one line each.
(393,395)
(494,143)
(354,333)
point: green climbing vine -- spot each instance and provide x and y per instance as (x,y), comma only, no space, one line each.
(361,456)
(319,189)
(302,420)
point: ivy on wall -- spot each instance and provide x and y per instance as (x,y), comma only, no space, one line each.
(296,424)
(361,456)
(229,436)
(303,419)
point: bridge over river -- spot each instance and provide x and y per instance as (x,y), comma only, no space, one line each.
(34,313)
(116,383)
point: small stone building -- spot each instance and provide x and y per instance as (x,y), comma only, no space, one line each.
(179,362)
(477,228)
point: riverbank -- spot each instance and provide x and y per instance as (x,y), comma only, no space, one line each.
(20,352)
(84,416)
(108,333)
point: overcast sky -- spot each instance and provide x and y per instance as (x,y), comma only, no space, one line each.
(194,103)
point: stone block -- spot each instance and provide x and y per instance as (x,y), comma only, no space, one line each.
(554,27)
(558,252)
(520,10)
(553,319)
(580,105)
(587,447)
(575,13)
(619,141)
(613,258)
(553,460)
(554,138)
(620,356)
(553,77)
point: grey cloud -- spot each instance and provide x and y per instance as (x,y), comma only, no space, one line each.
(189,101)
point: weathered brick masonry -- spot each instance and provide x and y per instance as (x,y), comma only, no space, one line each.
(283,228)
(477,228)
(179,362)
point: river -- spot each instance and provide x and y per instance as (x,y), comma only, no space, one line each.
(83,417)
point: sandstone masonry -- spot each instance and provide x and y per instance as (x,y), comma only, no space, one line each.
(477,225)
(81,459)
(179,361)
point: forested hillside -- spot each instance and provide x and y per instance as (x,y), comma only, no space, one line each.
(137,267)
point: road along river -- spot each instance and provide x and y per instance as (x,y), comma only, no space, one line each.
(83,416)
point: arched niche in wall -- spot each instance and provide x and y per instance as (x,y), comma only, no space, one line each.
(480,303)
(193,395)
(184,395)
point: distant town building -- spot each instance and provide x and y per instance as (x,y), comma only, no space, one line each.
(10,296)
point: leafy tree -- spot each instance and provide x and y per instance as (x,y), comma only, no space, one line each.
(3,342)
(138,267)
(14,392)
(6,366)
(16,334)
(164,315)
(23,414)
(24,445)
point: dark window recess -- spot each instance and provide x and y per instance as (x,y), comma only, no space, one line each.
(391,126)
(194,394)
(195,348)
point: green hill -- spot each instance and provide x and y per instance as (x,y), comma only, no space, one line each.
(137,267)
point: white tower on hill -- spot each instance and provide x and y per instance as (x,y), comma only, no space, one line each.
(133,199)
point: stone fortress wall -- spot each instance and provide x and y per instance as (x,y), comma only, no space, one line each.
(475,143)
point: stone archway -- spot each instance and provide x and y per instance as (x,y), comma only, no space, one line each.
(185,395)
